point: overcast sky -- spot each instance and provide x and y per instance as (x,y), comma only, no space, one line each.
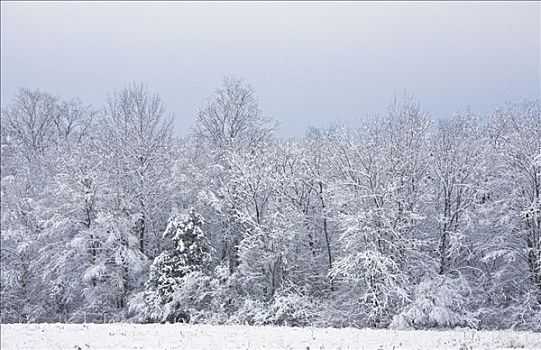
(310,63)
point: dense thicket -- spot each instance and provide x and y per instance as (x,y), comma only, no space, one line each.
(407,221)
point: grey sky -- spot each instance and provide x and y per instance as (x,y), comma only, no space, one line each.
(311,63)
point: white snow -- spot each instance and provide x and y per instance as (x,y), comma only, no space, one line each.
(182,336)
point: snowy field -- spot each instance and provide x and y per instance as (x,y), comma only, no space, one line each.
(177,336)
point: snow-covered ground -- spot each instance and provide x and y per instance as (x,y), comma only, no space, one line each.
(181,336)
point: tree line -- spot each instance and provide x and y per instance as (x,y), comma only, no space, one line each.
(405,221)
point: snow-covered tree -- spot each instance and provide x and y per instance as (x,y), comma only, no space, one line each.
(232,119)
(458,171)
(135,133)
(380,196)
(190,252)
(173,271)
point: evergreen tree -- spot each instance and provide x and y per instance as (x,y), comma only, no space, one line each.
(189,254)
